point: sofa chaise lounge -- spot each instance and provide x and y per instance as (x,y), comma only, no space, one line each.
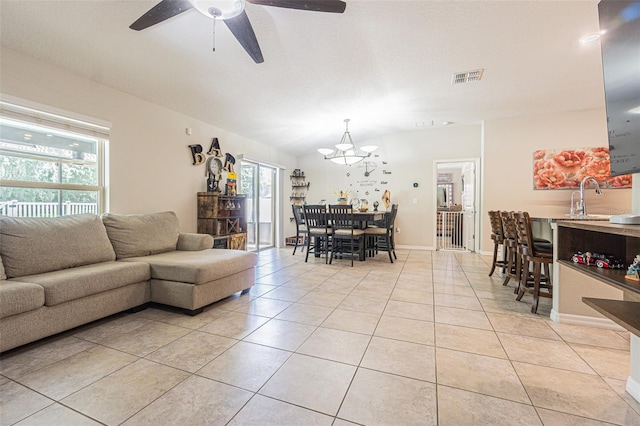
(59,273)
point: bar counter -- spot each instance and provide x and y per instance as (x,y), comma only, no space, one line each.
(593,296)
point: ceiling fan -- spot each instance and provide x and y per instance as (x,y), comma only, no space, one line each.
(233,14)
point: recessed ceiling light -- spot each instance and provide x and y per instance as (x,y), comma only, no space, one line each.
(590,38)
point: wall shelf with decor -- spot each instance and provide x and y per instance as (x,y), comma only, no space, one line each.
(299,187)
(223,217)
(621,241)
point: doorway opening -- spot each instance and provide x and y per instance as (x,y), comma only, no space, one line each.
(455,201)
(259,182)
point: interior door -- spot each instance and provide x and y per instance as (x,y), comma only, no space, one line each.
(469,205)
(259,182)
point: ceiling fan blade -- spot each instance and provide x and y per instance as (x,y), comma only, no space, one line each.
(160,12)
(243,31)
(333,6)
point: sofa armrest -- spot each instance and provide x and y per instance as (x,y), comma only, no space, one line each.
(194,242)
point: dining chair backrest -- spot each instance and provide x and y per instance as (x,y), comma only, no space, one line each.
(315,216)
(297,214)
(391,218)
(341,216)
(340,207)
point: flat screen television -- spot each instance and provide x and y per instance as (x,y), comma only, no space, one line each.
(620,42)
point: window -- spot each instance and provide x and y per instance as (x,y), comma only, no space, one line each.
(50,165)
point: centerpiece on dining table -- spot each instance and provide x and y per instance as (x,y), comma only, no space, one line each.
(342,196)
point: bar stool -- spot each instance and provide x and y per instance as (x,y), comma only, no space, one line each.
(497,235)
(541,255)
(510,243)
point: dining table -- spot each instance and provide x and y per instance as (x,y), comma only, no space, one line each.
(361,220)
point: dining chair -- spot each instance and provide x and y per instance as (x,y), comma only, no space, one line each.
(382,238)
(317,221)
(345,230)
(497,235)
(538,254)
(301,227)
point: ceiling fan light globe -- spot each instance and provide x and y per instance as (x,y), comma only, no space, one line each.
(219,9)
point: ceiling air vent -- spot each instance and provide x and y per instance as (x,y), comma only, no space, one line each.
(467,76)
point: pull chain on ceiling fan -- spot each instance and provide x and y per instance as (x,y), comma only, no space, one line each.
(233,14)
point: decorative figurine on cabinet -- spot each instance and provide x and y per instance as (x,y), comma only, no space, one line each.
(633,273)
(601,260)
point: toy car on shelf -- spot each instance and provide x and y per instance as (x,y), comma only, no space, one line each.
(601,260)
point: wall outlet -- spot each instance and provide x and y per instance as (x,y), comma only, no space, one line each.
(398,230)
(415,201)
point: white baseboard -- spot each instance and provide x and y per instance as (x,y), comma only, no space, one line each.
(584,320)
(406,247)
(633,388)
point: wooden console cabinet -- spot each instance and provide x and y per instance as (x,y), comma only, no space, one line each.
(225,218)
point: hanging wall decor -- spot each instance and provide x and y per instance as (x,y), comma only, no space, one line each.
(565,169)
(214,149)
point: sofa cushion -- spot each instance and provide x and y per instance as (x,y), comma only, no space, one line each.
(34,245)
(18,297)
(198,267)
(142,234)
(70,284)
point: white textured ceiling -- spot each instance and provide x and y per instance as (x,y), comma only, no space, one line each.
(386,65)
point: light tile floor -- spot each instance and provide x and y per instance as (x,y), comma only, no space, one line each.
(430,339)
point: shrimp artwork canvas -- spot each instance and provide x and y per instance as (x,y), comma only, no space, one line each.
(564,169)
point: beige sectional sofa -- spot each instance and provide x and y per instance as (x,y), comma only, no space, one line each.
(59,273)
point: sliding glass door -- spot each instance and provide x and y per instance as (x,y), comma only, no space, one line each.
(259,182)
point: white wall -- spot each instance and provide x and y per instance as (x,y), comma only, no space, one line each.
(150,162)
(410,158)
(150,167)
(508,149)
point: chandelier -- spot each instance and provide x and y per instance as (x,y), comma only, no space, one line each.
(346,153)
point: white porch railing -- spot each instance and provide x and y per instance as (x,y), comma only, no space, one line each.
(15,208)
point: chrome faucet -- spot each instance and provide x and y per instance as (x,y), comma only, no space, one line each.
(581,208)
(572,210)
